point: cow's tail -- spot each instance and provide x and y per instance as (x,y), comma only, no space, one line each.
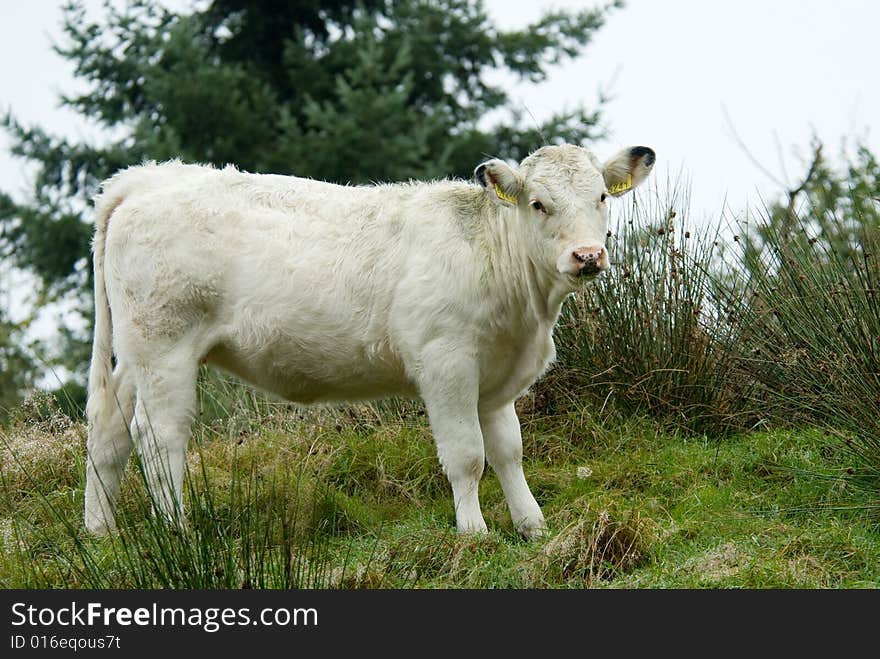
(101,392)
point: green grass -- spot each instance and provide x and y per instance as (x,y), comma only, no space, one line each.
(356,498)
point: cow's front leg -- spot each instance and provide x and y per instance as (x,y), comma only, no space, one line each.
(503,441)
(449,386)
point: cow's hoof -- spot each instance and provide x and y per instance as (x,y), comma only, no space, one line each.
(99,529)
(532,529)
(473,528)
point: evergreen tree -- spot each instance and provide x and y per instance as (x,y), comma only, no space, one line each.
(16,366)
(338,90)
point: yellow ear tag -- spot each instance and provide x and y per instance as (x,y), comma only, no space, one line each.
(504,196)
(623,186)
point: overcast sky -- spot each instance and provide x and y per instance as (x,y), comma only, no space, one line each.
(781,70)
(677,69)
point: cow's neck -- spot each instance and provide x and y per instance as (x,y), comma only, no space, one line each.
(519,278)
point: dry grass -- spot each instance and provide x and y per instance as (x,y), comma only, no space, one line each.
(41,449)
(595,546)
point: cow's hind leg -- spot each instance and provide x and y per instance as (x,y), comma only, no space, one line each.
(450,390)
(503,441)
(166,400)
(108,449)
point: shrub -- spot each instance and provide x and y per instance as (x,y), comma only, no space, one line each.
(811,328)
(650,337)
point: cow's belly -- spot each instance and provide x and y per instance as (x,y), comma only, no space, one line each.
(314,373)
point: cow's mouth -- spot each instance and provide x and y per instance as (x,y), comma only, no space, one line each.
(584,278)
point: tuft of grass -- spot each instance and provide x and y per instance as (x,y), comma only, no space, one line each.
(593,547)
(649,338)
(45,441)
(249,533)
(811,332)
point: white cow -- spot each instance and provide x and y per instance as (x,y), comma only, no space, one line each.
(318,292)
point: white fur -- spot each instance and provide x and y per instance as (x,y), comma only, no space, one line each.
(320,292)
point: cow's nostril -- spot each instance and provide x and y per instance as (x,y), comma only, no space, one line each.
(589,260)
(588,256)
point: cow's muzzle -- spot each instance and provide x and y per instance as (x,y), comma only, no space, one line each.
(590,260)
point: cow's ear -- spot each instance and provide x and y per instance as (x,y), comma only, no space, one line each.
(627,169)
(500,181)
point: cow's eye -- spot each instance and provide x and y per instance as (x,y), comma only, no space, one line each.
(603,198)
(538,206)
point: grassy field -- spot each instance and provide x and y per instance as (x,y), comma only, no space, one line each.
(284,497)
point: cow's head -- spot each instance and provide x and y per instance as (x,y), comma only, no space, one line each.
(560,194)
